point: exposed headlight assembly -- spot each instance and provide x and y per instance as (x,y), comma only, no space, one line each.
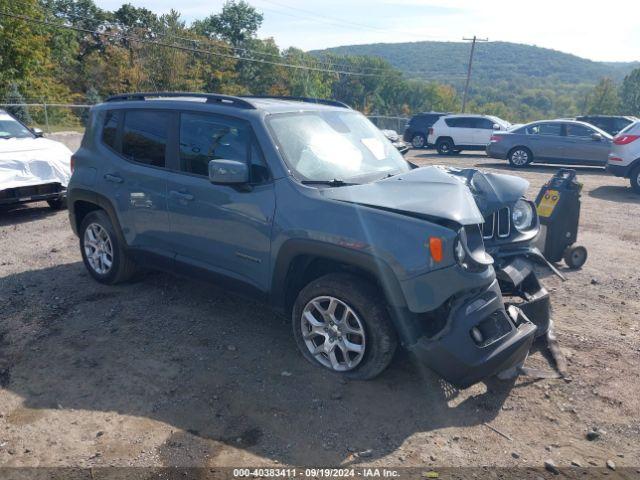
(522,215)
(469,249)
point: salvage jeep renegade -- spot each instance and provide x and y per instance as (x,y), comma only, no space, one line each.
(305,204)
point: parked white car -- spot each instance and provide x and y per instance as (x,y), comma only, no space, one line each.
(624,159)
(32,168)
(454,133)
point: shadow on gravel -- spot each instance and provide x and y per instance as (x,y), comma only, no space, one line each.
(615,193)
(24,213)
(213,366)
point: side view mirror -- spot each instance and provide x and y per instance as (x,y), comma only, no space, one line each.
(38,132)
(497,127)
(228,172)
(596,137)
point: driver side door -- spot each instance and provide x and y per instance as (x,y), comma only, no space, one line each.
(221,229)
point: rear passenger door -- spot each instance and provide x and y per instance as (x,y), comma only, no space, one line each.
(221,229)
(135,147)
(546,141)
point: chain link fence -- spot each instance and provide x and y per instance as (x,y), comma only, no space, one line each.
(50,117)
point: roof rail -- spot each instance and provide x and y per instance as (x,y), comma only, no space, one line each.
(210,97)
(319,101)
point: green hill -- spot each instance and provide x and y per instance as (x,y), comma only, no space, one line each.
(494,62)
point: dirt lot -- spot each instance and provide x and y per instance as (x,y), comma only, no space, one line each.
(167,371)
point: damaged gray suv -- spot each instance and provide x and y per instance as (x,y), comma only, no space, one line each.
(304,204)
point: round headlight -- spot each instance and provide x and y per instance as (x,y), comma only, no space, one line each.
(522,215)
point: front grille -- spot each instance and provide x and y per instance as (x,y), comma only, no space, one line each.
(497,225)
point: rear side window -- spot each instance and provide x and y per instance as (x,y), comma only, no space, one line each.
(145,135)
(110,129)
(550,129)
(455,122)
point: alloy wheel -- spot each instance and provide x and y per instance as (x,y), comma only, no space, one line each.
(98,248)
(418,141)
(520,157)
(333,333)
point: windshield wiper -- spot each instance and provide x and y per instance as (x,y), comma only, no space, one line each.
(332,183)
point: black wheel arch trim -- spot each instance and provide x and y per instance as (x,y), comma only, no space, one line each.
(97,199)
(293,248)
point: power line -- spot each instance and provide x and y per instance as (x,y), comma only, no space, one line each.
(186,49)
(329,64)
(320,59)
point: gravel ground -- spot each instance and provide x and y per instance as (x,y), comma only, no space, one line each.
(170,372)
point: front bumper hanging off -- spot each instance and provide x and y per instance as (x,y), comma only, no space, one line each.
(485,335)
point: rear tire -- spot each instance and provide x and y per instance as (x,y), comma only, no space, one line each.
(103,254)
(316,328)
(634,179)
(520,157)
(445,146)
(419,141)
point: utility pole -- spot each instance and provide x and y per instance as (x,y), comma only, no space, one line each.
(466,86)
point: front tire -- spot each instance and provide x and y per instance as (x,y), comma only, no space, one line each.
(634,179)
(520,157)
(419,141)
(102,252)
(445,146)
(340,322)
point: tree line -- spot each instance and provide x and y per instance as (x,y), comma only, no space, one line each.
(72,51)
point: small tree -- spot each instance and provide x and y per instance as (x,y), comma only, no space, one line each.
(21,112)
(630,93)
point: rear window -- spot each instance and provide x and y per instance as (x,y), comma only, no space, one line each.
(145,135)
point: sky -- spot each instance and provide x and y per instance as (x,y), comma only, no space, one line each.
(594,30)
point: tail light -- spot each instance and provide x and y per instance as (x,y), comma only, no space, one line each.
(625,139)
(495,138)
(430,131)
(72,163)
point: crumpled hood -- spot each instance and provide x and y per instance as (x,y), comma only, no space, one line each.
(462,196)
(27,161)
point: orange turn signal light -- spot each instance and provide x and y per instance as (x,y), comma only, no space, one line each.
(435,247)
